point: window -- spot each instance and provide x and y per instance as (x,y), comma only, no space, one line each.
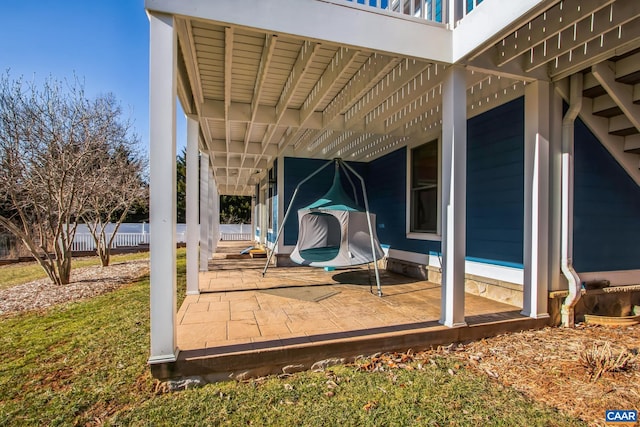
(424,188)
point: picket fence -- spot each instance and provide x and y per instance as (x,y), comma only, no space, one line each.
(83,242)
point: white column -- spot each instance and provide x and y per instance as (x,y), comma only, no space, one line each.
(215,215)
(536,199)
(162,209)
(192,205)
(453,195)
(204,212)
(211,241)
(282,204)
(254,213)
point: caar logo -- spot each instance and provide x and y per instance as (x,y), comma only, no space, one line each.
(621,416)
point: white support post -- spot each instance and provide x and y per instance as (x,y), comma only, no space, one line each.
(204,212)
(453,196)
(162,210)
(215,229)
(254,213)
(211,241)
(536,199)
(192,205)
(279,246)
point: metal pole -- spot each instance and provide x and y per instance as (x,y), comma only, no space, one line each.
(353,187)
(366,207)
(286,215)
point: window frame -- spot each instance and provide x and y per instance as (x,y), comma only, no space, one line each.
(422,235)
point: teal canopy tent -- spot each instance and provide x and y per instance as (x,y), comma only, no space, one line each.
(334,231)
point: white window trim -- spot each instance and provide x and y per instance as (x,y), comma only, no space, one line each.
(437,236)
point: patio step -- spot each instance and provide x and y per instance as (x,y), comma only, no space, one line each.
(257,359)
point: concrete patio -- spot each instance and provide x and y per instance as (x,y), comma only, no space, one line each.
(243,324)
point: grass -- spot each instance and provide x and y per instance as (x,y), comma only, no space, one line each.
(84,363)
(15,274)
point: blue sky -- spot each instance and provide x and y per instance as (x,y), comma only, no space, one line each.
(103,42)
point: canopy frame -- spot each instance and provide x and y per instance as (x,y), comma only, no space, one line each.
(339,163)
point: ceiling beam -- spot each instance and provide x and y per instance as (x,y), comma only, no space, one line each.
(374,69)
(228,62)
(371,72)
(599,49)
(265,60)
(340,63)
(376,120)
(588,29)
(390,84)
(306,55)
(545,26)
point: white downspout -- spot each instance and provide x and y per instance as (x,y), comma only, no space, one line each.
(566,259)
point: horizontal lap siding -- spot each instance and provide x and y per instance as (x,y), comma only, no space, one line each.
(495,184)
(606,209)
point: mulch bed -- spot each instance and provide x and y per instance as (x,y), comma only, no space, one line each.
(547,366)
(86,282)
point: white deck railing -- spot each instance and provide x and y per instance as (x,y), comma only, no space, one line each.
(430,10)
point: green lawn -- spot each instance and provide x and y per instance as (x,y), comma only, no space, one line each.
(15,274)
(84,363)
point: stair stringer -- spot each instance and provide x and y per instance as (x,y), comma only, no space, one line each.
(614,144)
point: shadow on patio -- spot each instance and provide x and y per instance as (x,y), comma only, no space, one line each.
(243,324)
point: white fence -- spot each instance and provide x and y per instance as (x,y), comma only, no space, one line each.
(236,232)
(84,241)
(236,236)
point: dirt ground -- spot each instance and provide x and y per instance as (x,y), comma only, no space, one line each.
(546,365)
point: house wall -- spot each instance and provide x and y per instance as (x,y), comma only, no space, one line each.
(495,185)
(607,201)
(606,209)
(495,190)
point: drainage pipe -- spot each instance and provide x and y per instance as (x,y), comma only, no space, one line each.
(566,245)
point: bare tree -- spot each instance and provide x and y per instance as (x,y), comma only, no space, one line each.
(50,140)
(119,171)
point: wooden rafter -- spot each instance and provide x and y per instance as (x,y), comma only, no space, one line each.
(265,61)
(588,29)
(228,62)
(425,81)
(307,53)
(545,26)
(601,48)
(340,62)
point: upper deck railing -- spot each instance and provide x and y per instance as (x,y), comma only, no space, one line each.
(431,10)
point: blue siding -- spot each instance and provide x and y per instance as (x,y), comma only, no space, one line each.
(495,185)
(386,185)
(606,209)
(495,190)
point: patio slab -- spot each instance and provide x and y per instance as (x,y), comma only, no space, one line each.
(243,324)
